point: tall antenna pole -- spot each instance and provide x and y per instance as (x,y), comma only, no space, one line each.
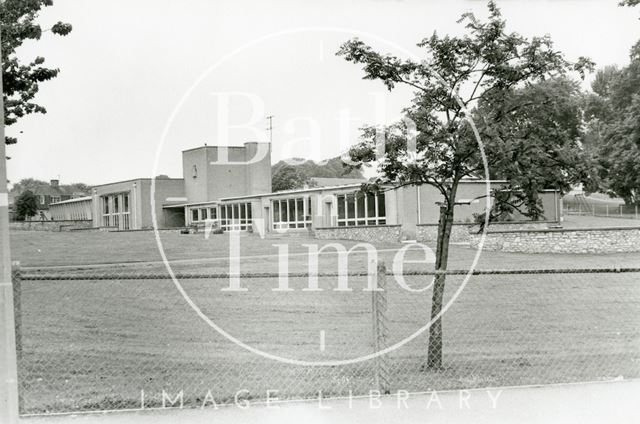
(270,128)
(8,364)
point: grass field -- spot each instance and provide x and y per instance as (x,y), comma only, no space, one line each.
(96,344)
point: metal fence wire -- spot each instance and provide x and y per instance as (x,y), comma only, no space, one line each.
(96,339)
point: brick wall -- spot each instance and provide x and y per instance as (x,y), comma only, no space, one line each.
(574,240)
(49,225)
(368,233)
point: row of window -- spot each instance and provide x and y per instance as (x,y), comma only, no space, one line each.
(115,211)
(202,214)
(234,216)
(291,213)
(42,199)
(352,210)
(361,209)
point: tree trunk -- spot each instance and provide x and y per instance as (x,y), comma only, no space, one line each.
(445,222)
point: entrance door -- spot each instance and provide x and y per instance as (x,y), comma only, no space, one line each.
(266,219)
(326,214)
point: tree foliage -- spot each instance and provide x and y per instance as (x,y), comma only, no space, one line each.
(21,80)
(295,173)
(536,145)
(509,84)
(612,114)
(288,177)
(26,205)
(35,185)
(630,3)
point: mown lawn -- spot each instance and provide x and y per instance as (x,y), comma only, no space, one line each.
(140,251)
(97,344)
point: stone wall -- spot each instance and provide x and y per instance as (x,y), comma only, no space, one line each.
(574,240)
(49,225)
(463,232)
(368,233)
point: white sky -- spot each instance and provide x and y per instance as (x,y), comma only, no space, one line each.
(127,64)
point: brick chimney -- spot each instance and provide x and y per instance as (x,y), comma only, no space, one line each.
(55,183)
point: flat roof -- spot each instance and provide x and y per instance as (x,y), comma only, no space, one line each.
(76,200)
(341,186)
(137,179)
(175,205)
(294,191)
(229,147)
(308,190)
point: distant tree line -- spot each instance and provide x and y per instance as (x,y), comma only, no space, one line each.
(296,173)
(34,185)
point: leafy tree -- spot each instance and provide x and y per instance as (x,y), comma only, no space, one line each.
(620,154)
(37,186)
(295,173)
(330,168)
(500,74)
(26,205)
(536,145)
(612,115)
(288,177)
(629,3)
(28,184)
(21,80)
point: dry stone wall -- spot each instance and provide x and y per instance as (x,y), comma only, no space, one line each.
(368,233)
(574,240)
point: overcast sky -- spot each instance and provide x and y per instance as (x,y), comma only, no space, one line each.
(128,66)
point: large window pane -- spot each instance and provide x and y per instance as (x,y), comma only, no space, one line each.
(360,202)
(276,211)
(292,210)
(381,209)
(284,214)
(341,210)
(351,207)
(371,206)
(194,214)
(300,210)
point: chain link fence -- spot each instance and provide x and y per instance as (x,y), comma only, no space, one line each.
(604,210)
(104,339)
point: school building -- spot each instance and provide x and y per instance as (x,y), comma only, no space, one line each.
(231,187)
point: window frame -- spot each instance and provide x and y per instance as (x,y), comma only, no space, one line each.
(353,209)
(294,217)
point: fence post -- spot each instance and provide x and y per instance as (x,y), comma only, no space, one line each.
(607,211)
(16,279)
(636,211)
(380,329)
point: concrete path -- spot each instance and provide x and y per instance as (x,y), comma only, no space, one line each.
(609,402)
